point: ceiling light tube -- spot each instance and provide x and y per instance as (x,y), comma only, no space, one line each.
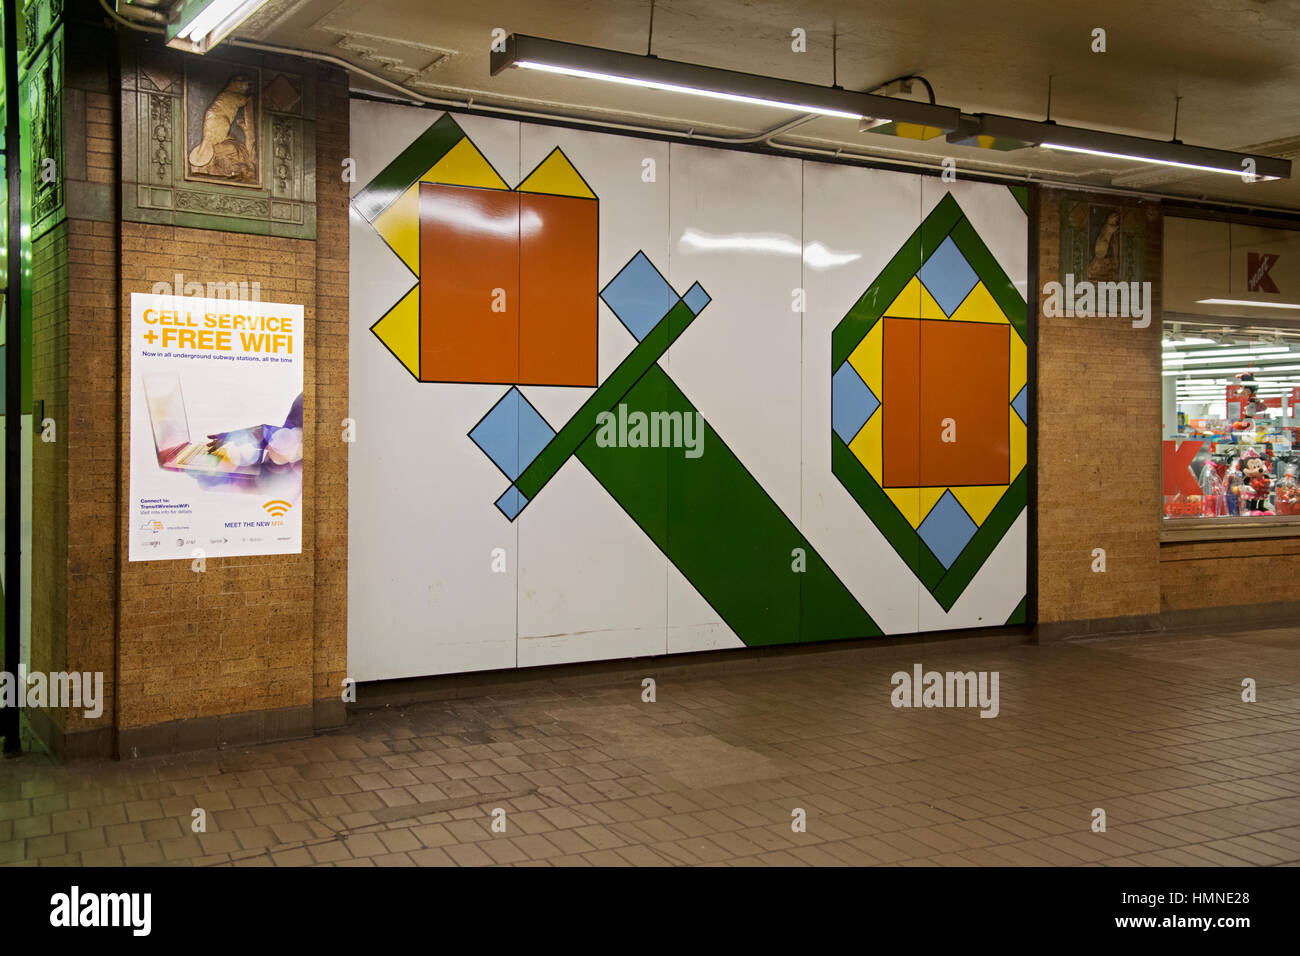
(650,72)
(1136,149)
(1244,350)
(1209,372)
(1261,305)
(1279,354)
(209,23)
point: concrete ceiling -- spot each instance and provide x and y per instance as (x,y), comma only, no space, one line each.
(1234,63)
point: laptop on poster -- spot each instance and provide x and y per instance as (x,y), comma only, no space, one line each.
(171,432)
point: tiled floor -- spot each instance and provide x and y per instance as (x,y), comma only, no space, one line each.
(1150,729)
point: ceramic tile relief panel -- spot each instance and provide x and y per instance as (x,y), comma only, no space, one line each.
(617,398)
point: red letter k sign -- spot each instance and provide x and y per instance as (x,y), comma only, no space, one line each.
(1178,472)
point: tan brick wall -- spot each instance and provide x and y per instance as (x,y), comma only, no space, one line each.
(239,635)
(74,478)
(94,471)
(1206,574)
(49,586)
(101,146)
(1098,449)
(331,356)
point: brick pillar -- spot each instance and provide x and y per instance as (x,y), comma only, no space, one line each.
(252,648)
(1098,425)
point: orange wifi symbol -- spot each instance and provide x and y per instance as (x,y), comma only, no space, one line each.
(276,508)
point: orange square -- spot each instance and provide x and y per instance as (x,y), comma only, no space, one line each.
(936,371)
(507,287)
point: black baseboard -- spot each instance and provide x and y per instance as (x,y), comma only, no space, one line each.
(1049,632)
(1274,614)
(392,693)
(180,736)
(40,732)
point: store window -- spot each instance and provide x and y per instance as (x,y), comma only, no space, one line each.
(1231,374)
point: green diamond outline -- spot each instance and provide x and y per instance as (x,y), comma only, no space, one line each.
(946,220)
(391,182)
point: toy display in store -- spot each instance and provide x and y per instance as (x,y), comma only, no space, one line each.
(1251,469)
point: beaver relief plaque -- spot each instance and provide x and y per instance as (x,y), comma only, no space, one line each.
(222,119)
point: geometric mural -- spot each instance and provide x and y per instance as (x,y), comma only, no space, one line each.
(928,398)
(499,291)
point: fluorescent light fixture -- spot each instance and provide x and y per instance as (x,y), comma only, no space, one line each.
(1229,371)
(1271,354)
(652,73)
(1259,305)
(676,88)
(205,23)
(1137,149)
(1190,340)
(1148,159)
(1245,350)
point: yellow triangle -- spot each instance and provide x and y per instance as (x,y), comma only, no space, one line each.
(908,501)
(908,303)
(399,224)
(915,503)
(1019,443)
(464,165)
(399,330)
(929,308)
(978,500)
(1019,372)
(979,306)
(867,445)
(868,358)
(929,498)
(555,176)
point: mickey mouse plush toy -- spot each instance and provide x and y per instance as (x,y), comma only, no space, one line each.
(1256,484)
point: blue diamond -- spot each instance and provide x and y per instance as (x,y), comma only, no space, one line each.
(639,296)
(1021,404)
(696,298)
(948,276)
(512,502)
(947,529)
(512,434)
(852,403)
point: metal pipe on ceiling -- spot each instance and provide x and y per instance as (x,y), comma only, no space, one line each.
(765,138)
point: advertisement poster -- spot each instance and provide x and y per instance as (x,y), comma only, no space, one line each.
(216,428)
